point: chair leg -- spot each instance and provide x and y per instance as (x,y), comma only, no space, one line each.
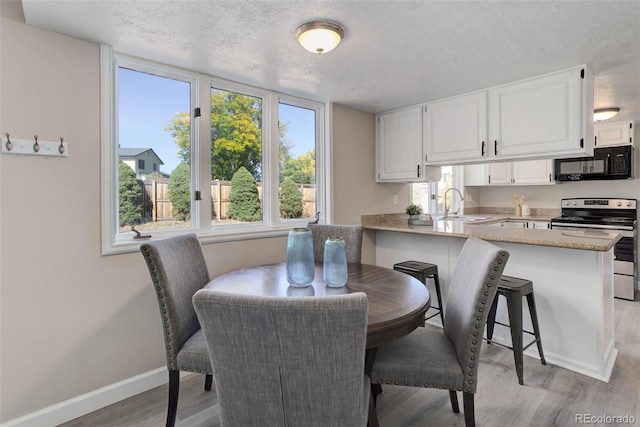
(436,282)
(372,421)
(469,411)
(453,396)
(491,319)
(174,388)
(514,305)
(536,328)
(207,382)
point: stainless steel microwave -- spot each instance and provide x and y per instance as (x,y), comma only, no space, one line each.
(606,163)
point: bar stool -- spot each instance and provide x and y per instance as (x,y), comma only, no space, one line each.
(513,289)
(423,271)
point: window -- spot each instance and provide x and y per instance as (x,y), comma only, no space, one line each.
(240,163)
(430,194)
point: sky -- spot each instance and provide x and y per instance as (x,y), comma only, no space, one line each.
(147,103)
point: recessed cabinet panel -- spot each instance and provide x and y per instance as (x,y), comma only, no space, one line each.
(537,115)
(456,129)
(399,145)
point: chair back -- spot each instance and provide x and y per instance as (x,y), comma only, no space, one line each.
(352,235)
(473,287)
(287,361)
(178,269)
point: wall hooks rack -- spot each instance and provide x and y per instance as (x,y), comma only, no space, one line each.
(34,147)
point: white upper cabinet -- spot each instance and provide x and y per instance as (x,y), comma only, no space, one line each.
(546,115)
(524,172)
(549,116)
(616,133)
(499,173)
(456,129)
(533,172)
(399,145)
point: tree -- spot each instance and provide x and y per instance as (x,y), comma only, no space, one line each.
(301,169)
(291,204)
(244,201)
(236,135)
(130,201)
(180,191)
(155,176)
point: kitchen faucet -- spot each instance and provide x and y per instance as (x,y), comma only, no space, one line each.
(444,197)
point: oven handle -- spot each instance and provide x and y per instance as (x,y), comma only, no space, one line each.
(625,232)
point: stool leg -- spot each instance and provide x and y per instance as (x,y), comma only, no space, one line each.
(514,305)
(436,281)
(491,319)
(536,329)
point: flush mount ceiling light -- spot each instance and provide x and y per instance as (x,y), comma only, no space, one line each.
(319,36)
(604,113)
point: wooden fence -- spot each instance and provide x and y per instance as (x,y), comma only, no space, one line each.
(157,205)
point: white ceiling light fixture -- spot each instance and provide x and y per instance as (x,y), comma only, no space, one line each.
(604,113)
(319,36)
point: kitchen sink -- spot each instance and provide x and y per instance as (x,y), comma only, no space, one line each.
(460,218)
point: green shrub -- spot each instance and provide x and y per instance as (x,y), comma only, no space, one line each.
(244,203)
(180,192)
(290,199)
(130,208)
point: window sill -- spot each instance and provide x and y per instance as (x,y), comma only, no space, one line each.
(128,246)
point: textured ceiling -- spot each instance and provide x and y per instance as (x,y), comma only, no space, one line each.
(394,54)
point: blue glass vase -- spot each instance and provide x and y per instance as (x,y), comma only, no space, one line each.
(334,267)
(300,263)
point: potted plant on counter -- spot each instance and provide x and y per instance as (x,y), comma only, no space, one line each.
(416,217)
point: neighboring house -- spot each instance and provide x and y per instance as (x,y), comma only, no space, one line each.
(143,161)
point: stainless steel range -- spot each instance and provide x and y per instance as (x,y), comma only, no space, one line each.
(618,215)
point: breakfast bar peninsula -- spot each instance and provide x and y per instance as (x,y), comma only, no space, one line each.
(571,271)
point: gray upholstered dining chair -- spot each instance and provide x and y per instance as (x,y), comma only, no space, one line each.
(448,358)
(294,361)
(352,235)
(178,269)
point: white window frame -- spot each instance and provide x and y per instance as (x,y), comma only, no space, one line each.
(271,225)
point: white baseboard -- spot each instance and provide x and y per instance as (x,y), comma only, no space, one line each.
(92,401)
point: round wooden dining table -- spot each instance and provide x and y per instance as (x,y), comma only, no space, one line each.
(397,301)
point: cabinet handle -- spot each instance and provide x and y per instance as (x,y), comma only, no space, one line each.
(595,140)
(418,171)
(482,154)
(495,147)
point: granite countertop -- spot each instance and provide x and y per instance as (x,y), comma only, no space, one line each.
(590,240)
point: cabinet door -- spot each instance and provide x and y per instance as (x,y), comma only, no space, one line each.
(617,133)
(533,172)
(456,129)
(475,175)
(539,224)
(498,173)
(542,116)
(399,145)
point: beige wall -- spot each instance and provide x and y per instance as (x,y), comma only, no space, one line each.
(72,320)
(355,191)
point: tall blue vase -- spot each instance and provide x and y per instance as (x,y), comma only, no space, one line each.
(300,264)
(334,267)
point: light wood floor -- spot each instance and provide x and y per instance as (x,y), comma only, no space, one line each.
(551,396)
